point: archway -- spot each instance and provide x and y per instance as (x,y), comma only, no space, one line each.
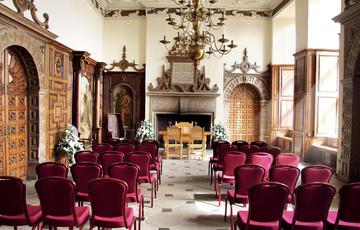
(20,114)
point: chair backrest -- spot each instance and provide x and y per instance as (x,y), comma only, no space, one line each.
(265,197)
(316,173)
(127,172)
(222,149)
(12,196)
(149,148)
(273,150)
(285,174)
(100,148)
(288,159)
(349,208)
(260,144)
(151,141)
(248,149)
(51,169)
(125,148)
(57,196)
(114,125)
(312,201)
(86,156)
(247,176)
(185,126)
(231,160)
(108,158)
(84,172)
(133,141)
(239,143)
(142,159)
(196,134)
(108,197)
(174,134)
(263,159)
(215,145)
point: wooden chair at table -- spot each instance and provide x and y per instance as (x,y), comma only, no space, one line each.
(174,141)
(197,141)
(185,130)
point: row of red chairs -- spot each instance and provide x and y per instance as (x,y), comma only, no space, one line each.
(312,203)
(57,204)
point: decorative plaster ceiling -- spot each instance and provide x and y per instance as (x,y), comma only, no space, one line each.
(226,4)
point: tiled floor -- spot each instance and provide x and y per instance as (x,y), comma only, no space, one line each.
(185,199)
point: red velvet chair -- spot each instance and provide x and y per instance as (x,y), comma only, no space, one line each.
(100,148)
(133,141)
(51,169)
(86,156)
(287,175)
(316,173)
(142,159)
(129,173)
(263,159)
(239,143)
(231,160)
(108,158)
(312,202)
(273,150)
(218,165)
(288,159)
(245,177)
(154,164)
(125,148)
(266,205)
(157,143)
(13,208)
(82,173)
(260,144)
(108,204)
(57,200)
(248,150)
(214,157)
(348,214)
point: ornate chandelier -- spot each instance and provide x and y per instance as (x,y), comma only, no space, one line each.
(194,34)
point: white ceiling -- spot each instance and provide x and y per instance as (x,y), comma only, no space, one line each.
(227,4)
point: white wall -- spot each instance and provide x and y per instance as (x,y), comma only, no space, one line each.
(130,32)
(323,31)
(301,22)
(283,40)
(77,24)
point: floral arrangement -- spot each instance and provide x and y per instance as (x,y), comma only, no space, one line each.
(145,131)
(219,133)
(69,143)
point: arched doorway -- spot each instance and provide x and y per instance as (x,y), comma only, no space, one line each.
(16,90)
(244,114)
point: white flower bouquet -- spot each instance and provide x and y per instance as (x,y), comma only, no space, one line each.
(145,131)
(219,133)
(69,143)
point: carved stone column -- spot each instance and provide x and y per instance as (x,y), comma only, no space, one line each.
(349,151)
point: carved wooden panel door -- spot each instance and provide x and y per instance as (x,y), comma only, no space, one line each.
(244,120)
(13,118)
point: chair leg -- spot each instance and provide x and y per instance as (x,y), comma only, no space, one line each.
(211,175)
(135,224)
(225,209)
(140,211)
(231,217)
(142,204)
(219,195)
(155,187)
(209,168)
(152,195)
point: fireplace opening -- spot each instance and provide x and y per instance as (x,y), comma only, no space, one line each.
(164,119)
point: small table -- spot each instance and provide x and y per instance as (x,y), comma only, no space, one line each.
(185,136)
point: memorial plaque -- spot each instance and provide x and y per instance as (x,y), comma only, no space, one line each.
(183,73)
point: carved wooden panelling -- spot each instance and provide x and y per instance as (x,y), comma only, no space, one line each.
(58,70)
(244,116)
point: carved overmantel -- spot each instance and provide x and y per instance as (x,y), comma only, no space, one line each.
(348,159)
(182,89)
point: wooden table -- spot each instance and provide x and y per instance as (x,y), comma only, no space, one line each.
(186,138)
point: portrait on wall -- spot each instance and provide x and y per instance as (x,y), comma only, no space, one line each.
(86,111)
(122,103)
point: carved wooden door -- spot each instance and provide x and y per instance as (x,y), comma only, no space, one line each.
(244,120)
(13,118)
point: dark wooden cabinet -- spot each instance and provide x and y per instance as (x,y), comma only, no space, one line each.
(124,93)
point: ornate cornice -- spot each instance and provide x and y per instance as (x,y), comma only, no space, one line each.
(124,13)
(99,6)
(125,64)
(245,66)
(350,3)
